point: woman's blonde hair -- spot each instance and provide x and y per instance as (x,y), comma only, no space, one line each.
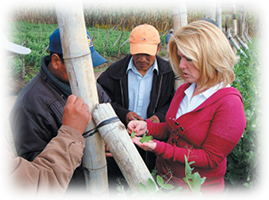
(209,50)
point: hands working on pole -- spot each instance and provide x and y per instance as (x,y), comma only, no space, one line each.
(140,127)
(76,114)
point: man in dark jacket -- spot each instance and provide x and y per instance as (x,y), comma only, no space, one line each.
(140,86)
(37,113)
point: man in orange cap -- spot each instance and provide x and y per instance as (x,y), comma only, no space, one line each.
(141,85)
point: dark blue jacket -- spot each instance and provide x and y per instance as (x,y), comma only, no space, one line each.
(37,115)
(114,82)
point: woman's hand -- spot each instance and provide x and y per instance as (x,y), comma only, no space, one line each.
(139,127)
(147,146)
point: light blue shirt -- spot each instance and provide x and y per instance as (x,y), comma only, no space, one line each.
(139,88)
(189,103)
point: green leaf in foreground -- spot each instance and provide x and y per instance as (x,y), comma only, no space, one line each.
(152,185)
(145,138)
(133,134)
(143,189)
(160,181)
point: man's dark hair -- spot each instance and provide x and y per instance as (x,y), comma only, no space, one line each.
(60,56)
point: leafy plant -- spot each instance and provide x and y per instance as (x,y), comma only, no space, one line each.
(193,180)
(145,138)
(133,134)
(164,188)
(243,160)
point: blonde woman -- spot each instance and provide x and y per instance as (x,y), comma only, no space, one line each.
(206,117)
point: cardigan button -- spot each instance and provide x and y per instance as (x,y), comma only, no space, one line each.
(181,128)
(173,141)
(176,123)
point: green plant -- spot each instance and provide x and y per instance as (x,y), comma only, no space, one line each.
(162,187)
(194,181)
(145,138)
(243,160)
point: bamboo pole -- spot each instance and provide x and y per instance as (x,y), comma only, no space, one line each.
(77,57)
(234,22)
(219,16)
(227,24)
(107,33)
(244,45)
(121,146)
(179,14)
(235,44)
(210,11)
(120,40)
(240,37)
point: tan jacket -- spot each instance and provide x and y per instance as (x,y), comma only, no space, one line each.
(51,171)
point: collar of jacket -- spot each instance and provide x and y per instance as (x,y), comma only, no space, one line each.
(120,67)
(45,74)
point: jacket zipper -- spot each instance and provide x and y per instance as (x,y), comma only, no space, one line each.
(159,94)
(122,98)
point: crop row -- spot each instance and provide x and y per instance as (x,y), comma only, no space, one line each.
(130,15)
(37,36)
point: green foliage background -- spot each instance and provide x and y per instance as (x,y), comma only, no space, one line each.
(38,39)
(243,161)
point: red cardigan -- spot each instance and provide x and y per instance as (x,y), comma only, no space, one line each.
(205,135)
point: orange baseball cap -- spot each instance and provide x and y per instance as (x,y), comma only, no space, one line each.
(144,39)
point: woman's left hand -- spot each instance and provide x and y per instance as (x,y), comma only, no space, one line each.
(147,146)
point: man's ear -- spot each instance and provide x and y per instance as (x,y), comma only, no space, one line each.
(55,59)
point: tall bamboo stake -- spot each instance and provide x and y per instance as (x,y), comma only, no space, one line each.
(179,14)
(180,18)
(210,11)
(218,16)
(78,62)
(234,22)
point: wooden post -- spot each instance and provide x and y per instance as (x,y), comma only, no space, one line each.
(107,33)
(227,24)
(121,146)
(179,14)
(234,22)
(235,44)
(244,45)
(210,11)
(240,37)
(219,16)
(120,40)
(240,26)
(78,62)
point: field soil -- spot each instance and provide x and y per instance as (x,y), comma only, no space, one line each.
(15,84)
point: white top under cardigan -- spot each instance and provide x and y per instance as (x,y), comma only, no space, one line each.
(189,103)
